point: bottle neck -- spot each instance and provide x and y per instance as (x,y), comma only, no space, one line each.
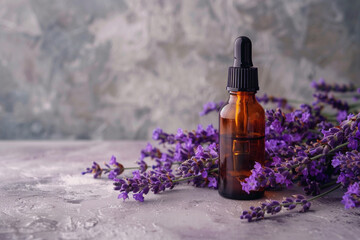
(247,96)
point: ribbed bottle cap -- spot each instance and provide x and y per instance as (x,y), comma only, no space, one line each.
(242,75)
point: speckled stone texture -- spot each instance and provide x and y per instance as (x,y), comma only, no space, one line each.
(44,196)
(116,69)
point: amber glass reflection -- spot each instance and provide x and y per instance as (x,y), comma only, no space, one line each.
(242,143)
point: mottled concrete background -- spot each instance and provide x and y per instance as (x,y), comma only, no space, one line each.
(117,69)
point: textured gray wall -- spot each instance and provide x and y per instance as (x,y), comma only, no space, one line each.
(117,69)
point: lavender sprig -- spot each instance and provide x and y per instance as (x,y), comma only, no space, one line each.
(114,171)
(200,170)
(156,181)
(274,207)
(281,102)
(211,107)
(302,165)
(141,183)
(180,146)
(351,198)
(330,100)
(322,86)
(348,165)
(199,167)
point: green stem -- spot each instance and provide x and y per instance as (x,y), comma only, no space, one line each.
(313,198)
(331,151)
(322,155)
(331,118)
(329,115)
(329,184)
(184,179)
(129,168)
(324,193)
(191,177)
(355,105)
(335,122)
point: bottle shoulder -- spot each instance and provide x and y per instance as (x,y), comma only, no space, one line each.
(230,110)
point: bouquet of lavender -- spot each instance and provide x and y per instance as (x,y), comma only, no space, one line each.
(306,146)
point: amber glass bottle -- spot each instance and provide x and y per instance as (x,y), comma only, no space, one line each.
(241,126)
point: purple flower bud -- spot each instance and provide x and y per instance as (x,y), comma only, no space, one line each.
(139,197)
(277,209)
(123,195)
(351,198)
(292,206)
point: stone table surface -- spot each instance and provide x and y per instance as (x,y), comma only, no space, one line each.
(44,196)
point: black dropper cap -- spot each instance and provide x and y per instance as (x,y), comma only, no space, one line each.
(242,75)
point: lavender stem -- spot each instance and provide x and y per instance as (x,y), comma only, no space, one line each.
(324,193)
(194,176)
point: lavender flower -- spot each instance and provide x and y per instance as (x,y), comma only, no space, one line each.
(285,131)
(351,198)
(141,183)
(95,169)
(349,167)
(330,100)
(293,126)
(150,151)
(301,165)
(210,107)
(163,137)
(117,170)
(342,115)
(324,87)
(180,146)
(201,169)
(281,102)
(274,207)
(267,177)
(142,165)
(113,169)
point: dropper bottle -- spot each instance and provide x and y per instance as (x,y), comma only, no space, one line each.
(241,126)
